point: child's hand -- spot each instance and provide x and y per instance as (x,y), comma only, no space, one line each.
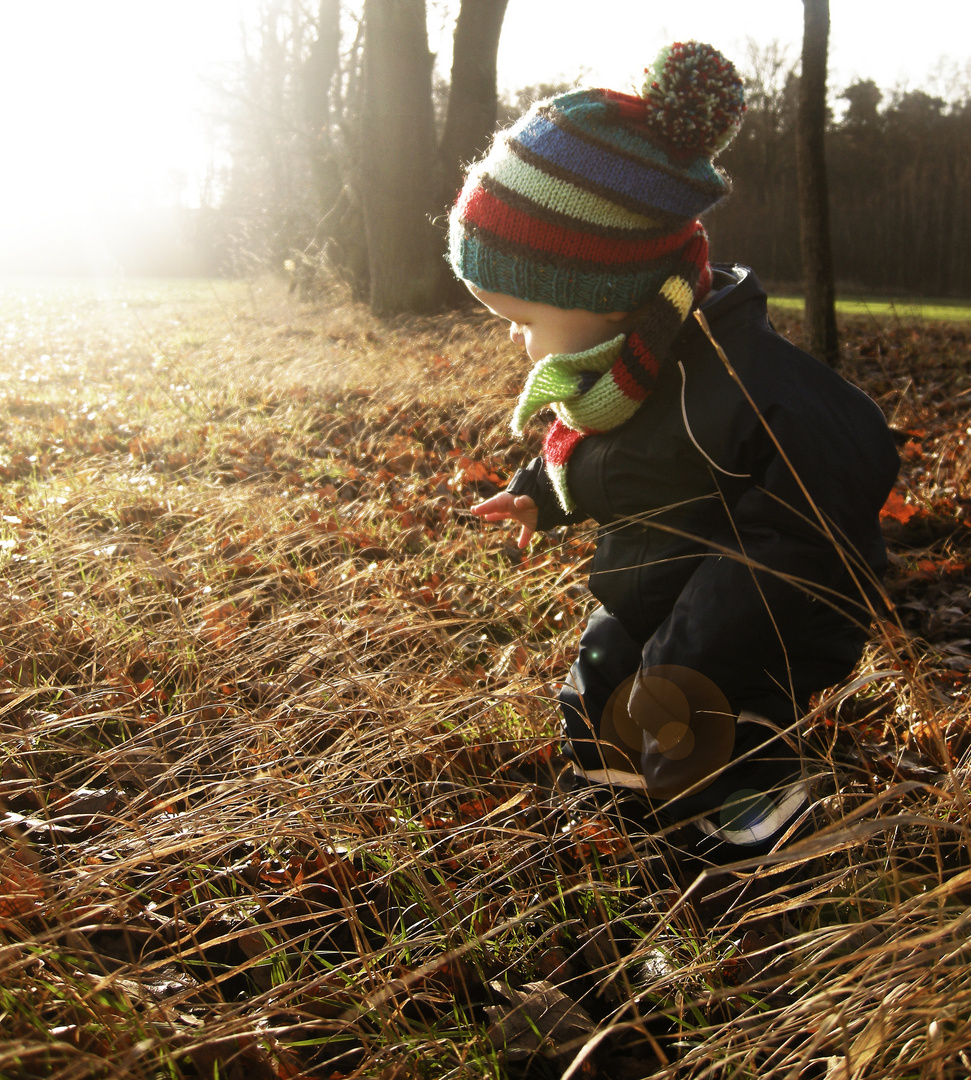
(503,506)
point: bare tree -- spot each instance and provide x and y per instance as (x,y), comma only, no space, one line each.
(336,162)
(470,119)
(399,158)
(267,202)
(407,180)
(760,223)
(331,96)
(472,100)
(814,231)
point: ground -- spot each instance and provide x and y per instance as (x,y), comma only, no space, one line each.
(279,758)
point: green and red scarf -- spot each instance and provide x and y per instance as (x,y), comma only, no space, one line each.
(602,388)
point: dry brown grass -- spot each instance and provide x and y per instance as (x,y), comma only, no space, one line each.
(278,754)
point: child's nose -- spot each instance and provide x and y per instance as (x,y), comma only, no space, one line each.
(516,334)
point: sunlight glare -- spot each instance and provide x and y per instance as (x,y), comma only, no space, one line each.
(102,117)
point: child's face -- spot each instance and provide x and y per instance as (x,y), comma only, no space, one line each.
(542,329)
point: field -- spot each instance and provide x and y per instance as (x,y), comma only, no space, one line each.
(878,309)
(279,766)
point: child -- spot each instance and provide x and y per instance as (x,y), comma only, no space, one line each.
(736,481)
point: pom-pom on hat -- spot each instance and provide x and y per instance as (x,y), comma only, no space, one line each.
(591,198)
(696,100)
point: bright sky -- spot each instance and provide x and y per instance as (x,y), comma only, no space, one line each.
(102,103)
(891,41)
(100,110)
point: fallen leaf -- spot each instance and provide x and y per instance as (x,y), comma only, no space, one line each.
(897,509)
(865,1048)
(540,1018)
(22,886)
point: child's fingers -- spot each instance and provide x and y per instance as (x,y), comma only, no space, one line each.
(504,506)
(500,502)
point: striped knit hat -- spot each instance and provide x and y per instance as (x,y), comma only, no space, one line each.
(591,201)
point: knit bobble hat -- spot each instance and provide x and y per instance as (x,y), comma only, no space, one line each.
(589,200)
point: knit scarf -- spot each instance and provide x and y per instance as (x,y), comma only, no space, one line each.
(599,389)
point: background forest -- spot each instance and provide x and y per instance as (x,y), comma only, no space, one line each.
(297,134)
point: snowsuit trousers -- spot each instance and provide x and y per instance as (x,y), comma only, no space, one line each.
(755,799)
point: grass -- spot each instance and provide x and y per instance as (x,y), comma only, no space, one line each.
(279,737)
(907,311)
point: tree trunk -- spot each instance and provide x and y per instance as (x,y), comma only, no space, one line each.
(817,259)
(472,99)
(472,104)
(401,178)
(339,235)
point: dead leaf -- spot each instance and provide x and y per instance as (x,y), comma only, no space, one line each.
(22,886)
(865,1048)
(897,509)
(540,1019)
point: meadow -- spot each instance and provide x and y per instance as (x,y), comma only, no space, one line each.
(280,780)
(881,309)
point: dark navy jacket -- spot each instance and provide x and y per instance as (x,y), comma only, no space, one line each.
(739,532)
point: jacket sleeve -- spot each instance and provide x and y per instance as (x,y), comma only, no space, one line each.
(532,480)
(773,562)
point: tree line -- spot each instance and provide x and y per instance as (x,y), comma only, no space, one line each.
(324,88)
(899,174)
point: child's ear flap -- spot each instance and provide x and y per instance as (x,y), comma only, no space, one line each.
(616,316)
